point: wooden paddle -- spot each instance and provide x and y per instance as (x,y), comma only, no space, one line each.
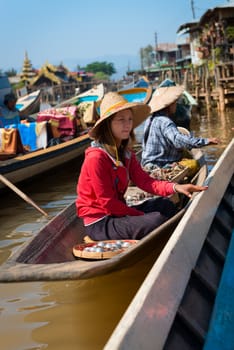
(21,194)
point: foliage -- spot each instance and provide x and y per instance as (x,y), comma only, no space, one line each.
(101,76)
(11,72)
(103,67)
(19,85)
(147,56)
(230,32)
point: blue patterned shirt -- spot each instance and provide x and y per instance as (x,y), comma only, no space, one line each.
(165,144)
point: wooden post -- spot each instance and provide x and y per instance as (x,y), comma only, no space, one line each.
(221,98)
(185,83)
(197,86)
(207,89)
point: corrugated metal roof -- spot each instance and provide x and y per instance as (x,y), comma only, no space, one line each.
(212,11)
(189,26)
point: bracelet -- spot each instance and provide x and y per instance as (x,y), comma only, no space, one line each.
(174,189)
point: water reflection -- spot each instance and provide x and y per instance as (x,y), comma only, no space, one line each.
(212,124)
(75,314)
(78,314)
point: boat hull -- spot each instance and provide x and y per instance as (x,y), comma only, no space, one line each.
(137,94)
(94,94)
(26,166)
(30,103)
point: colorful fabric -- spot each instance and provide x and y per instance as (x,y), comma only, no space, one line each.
(192,164)
(10,143)
(102,185)
(165,144)
(62,120)
(33,135)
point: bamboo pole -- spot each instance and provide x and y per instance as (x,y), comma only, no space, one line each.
(9,184)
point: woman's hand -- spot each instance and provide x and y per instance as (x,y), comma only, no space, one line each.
(188,189)
(213,141)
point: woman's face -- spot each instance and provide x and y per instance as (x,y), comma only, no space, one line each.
(11,104)
(122,124)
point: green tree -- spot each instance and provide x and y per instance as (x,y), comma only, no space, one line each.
(11,72)
(101,76)
(104,67)
(147,56)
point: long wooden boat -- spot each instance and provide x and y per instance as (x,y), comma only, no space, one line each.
(187,299)
(94,94)
(141,82)
(49,255)
(137,94)
(30,103)
(23,167)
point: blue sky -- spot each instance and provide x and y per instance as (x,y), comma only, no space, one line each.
(82,31)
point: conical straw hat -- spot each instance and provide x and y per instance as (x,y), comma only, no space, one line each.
(164,97)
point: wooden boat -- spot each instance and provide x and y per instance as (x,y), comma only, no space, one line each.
(141,82)
(187,299)
(94,94)
(49,255)
(23,167)
(137,94)
(29,103)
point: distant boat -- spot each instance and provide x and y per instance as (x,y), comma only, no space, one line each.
(137,94)
(56,136)
(29,103)
(21,167)
(94,94)
(143,82)
(187,299)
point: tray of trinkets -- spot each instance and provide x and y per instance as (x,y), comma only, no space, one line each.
(102,249)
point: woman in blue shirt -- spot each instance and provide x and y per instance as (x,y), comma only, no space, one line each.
(163,144)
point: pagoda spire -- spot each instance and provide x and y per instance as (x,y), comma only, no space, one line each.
(27,71)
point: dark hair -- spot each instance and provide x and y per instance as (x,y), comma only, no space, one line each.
(8,98)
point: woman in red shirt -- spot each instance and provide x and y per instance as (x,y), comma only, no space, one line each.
(108,167)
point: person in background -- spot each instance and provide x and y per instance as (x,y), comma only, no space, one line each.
(9,114)
(108,167)
(163,144)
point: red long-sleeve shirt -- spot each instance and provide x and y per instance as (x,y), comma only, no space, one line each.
(102,185)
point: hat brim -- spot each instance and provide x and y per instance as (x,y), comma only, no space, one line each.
(140,112)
